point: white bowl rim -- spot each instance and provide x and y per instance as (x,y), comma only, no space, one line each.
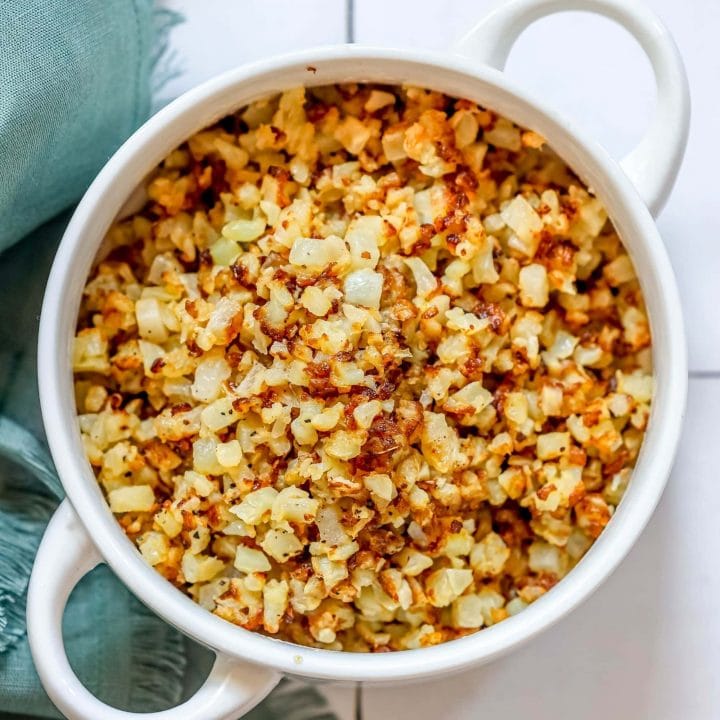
(99,207)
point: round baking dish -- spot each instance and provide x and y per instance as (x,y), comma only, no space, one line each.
(84,532)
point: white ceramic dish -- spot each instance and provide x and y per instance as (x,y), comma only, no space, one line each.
(84,532)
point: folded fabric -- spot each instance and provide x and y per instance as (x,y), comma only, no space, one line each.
(75,81)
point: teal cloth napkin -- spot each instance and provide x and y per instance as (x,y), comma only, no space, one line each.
(76,78)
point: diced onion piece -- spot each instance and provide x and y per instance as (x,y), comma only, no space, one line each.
(465,322)
(294,505)
(515,606)
(224,251)
(150,352)
(229,454)
(303,431)
(366,412)
(209,377)
(619,271)
(638,385)
(345,374)
(252,383)
(243,231)
(457,544)
(415,562)
(162,264)
(393,144)
(149,319)
(564,345)
(90,351)
(364,287)
(200,568)
(250,560)
(353,134)
(154,547)
(425,281)
(280,543)
(275,602)
(316,301)
(381,486)
(473,611)
(316,254)
(200,483)
(488,557)
(256,506)
(331,529)
(379,99)
(544,557)
(552,445)
(519,215)
(219,414)
(331,572)
(534,287)
(443,586)
(364,236)
(440,442)
(170,521)
(466,128)
(504,135)
(131,498)
(218,330)
(467,612)
(205,456)
(344,444)
(328,418)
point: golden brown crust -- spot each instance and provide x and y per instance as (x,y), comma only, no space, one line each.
(369,371)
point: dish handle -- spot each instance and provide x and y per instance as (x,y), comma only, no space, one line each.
(67,554)
(654,163)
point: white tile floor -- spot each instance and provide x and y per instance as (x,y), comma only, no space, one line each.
(648,643)
(220,34)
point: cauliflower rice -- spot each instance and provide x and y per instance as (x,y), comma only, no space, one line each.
(369,371)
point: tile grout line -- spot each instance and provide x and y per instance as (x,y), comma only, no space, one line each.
(350,21)
(704,374)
